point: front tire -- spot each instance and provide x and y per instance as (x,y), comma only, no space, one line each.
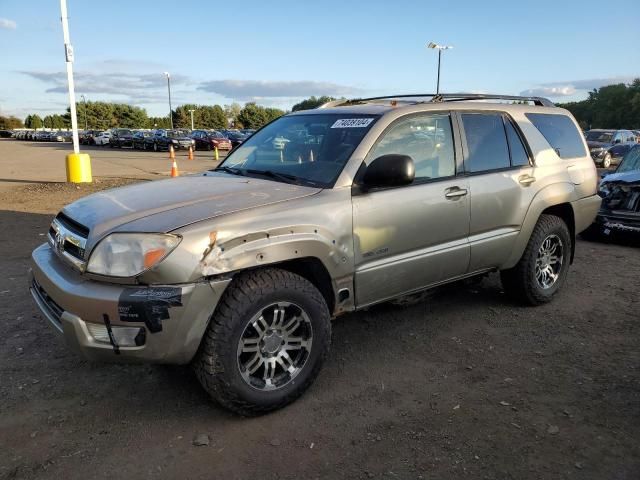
(606,161)
(543,268)
(266,342)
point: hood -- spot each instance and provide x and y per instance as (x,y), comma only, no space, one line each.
(166,205)
(593,144)
(632,176)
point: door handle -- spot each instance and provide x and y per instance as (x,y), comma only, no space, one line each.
(455,192)
(526,180)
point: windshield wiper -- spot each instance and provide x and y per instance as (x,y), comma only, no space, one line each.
(275,175)
(232,171)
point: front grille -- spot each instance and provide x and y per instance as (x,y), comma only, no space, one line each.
(68,239)
(72,225)
(54,309)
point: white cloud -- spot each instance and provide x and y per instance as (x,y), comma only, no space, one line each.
(252,90)
(8,24)
(566,89)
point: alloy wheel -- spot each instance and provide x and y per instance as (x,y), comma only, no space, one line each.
(274,346)
(549,261)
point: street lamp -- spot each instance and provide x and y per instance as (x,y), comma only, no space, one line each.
(191,112)
(169,90)
(84,101)
(440,48)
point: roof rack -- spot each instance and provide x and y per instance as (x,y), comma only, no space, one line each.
(441,97)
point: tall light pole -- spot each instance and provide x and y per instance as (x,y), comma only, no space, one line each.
(68,50)
(78,164)
(191,112)
(440,48)
(169,90)
(84,102)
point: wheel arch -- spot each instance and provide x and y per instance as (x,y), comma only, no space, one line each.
(554,199)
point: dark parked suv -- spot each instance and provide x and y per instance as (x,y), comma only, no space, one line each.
(607,147)
(121,137)
(162,139)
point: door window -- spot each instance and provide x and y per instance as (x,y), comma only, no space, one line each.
(519,155)
(486,142)
(427,139)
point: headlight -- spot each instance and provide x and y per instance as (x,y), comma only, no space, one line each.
(174,141)
(128,254)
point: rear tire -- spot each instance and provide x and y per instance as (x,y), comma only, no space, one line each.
(543,268)
(606,161)
(252,360)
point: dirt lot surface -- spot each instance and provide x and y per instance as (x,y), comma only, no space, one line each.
(464,385)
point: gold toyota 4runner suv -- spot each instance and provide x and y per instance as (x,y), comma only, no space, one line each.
(239,270)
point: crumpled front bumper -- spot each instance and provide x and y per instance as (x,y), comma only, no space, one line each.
(173,318)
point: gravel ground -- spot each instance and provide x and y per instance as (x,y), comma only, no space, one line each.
(463,385)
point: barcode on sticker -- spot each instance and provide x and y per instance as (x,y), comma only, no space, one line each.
(352,123)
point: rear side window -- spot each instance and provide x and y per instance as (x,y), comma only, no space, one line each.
(519,156)
(560,132)
(486,142)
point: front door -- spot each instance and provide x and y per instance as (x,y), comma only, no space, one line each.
(410,237)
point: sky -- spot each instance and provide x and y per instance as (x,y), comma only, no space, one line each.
(278,52)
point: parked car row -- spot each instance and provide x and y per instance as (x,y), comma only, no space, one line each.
(43,136)
(162,139)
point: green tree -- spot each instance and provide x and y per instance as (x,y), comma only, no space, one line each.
(158,122)
(253,116)
(232,111)
(311,102)
(613,106)
(33,121)
(10,122)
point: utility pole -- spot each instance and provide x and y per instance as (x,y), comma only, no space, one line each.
(169,90)
(191,112)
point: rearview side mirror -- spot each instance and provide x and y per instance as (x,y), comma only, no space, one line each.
(389,171)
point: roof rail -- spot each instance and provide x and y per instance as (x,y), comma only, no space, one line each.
(442,97)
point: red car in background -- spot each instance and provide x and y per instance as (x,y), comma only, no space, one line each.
(208,140)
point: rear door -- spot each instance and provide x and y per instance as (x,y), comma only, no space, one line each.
(499,169)
(410,237)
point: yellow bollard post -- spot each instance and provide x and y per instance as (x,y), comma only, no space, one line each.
(216,155)
(78,168)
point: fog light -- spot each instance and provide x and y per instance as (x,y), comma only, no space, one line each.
(125,336)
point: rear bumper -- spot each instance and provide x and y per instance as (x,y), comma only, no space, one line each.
(585,211)
(75,307)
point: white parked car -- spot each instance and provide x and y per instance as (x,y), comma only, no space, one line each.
(102,138)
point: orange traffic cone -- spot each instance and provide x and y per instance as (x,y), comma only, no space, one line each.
(174,169)
(190,153)
(172,153)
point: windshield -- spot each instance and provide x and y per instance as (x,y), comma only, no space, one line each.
(631,161)
(307,149)
(603,137)
(176,133)
(216,135)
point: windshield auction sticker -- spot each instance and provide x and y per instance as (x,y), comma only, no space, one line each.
(352,123)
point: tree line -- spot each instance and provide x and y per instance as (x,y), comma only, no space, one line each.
(613,106)
(105,115)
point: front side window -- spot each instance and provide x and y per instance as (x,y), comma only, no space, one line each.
(560,132)
(310,149)
(486,142)
(427,139)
